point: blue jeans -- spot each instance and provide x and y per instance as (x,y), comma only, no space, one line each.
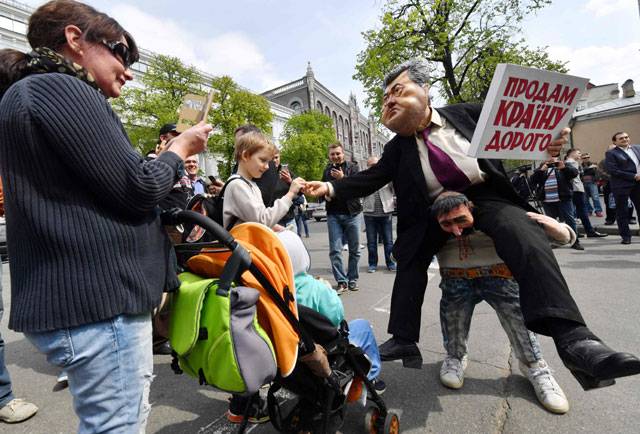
(338,225)
(361,335)
(379,226)
(6,395)
(591,192)
(563,209)
(110,369)
(581,211)
(459,298)
(301,221)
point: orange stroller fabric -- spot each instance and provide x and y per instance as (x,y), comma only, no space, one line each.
(271,258)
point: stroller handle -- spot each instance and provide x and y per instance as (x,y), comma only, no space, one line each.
(177,216)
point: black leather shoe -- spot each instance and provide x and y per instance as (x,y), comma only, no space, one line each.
(596,234)
(577,246)
(596,365)
(163,348)
(625,241)
(408,352)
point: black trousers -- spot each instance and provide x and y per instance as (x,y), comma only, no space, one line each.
(622,214)
(523,246)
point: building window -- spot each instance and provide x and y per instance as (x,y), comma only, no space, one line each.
(319,106)
(296,106)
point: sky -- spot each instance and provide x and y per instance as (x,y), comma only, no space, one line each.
(265,43)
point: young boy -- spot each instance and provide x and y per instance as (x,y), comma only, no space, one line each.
(472,271)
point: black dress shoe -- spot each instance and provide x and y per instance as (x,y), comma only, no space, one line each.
(595,365)
(596,234)
(625,241)
(395,350)
(577,246)
(163,348)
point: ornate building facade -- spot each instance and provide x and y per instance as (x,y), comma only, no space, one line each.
(360,135)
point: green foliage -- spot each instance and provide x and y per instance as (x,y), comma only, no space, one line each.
(232,107)
(462,40)
(167,81)
(145,110)
(305,139)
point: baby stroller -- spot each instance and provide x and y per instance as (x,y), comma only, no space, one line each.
(299,400)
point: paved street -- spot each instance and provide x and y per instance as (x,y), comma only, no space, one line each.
(495,397)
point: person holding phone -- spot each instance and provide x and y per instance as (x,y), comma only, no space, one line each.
(285,176)
(343,219)
(553,180)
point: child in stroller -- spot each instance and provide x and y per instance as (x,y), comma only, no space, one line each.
(322,313)
(321,400)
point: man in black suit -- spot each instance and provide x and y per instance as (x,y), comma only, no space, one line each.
(623,165)
(427,156)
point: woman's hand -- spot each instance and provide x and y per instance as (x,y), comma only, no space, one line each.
(191,142)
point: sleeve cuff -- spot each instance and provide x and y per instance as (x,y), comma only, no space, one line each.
(572,238)
(332,192)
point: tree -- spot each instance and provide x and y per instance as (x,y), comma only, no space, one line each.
(305,139)
(145,110)
(232,107)
(462,40)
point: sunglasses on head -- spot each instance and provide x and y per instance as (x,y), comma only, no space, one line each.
(121,52)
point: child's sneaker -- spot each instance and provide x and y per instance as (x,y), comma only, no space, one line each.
(258,411)
(379,386)
(452,372)
(547,389)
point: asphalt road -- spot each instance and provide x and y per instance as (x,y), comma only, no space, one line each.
(495,398)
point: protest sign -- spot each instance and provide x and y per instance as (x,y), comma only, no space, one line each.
(194,109)
(525,110)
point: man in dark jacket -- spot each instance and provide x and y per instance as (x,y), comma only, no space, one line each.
(429,155)
(553,181)
(623,163)
(343,217)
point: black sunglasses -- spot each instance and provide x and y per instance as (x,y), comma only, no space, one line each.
(121,51)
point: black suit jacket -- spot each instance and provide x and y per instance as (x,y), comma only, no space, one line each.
(400,164)
(622,169)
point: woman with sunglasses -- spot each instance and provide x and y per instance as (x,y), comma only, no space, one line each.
(89,258)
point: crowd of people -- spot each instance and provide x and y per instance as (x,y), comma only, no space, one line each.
(91,260)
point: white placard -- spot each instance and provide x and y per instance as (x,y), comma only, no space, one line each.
(525,110)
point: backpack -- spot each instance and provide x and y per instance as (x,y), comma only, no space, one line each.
(216,337)
(212,207)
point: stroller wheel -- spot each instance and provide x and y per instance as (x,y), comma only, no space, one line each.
(392,423)
(371,421)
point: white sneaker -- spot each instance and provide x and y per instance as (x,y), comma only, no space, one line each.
(547,389)
(17,410)
(452,372)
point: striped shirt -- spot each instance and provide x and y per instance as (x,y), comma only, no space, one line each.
(551,187)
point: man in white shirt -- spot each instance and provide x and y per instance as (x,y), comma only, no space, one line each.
(623,163)
(419,175)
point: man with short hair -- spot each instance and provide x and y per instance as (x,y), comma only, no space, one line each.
(191,167)
(429,155)
(589,180)
(553,179)
(378,210)
(343,219)
(472,272)
(623,165)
